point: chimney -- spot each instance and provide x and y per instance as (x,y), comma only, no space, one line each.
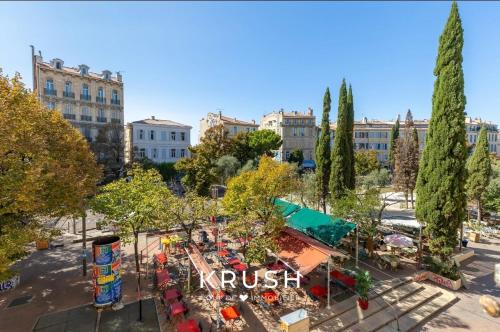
(118,76)
(281,111)
(253,121)
(309,111)
(153,117)
(220,114)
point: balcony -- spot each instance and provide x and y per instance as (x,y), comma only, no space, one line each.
(101,100)
(50,92)
(69,116)
(115,121)
(101,119)
(68,94)
(115,102)
(85,97)
(86,117)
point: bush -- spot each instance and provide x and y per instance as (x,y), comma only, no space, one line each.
(447,269)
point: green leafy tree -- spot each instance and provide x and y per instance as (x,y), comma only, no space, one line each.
(46,169)
(492,194)
(350,138)
(323,151)
(340,169)
(133,205)
(377,178)
(297,156)
(227,167)
(366,162)
(241,149)
(406,160)
(479,171)
(265,141)
(167,171)
(441,198)
(307,190)
(394,139)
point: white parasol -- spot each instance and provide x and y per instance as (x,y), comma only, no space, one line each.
(398,240)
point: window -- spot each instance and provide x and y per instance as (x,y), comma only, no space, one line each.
(101,115)
(302,131)
(152,135)
(164,154)
(287,155)
(100,93)
(85,90)
(163,135)
(235,130)
(84,70)
(172,153)
(183,153)
(247,129)
(51,105)
(183,136)
(58,65)
(172,135)
(68,109)
(141,134)
(114,95)
(67,87)
(294,132)
(154,153)
(86,114)
(142,152)
(49,85)
(86,133)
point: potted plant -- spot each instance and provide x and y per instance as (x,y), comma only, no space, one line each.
(364,282)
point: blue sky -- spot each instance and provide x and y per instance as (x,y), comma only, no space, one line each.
(182,60)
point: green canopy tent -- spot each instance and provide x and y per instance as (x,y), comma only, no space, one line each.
(285,207)
(320,226)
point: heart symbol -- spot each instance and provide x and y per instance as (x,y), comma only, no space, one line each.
(243,297)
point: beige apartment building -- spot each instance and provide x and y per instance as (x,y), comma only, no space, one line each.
(376,135)
(87,99)
(232,125)
(297,131)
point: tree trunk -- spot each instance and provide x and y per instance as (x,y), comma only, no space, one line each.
(138,272)
(411,197)
(406,198)
(369,245)
(479,207)
(190,269)
(324,205)
(84,243)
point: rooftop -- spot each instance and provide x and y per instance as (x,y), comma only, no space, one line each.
(158,122)
(308,113)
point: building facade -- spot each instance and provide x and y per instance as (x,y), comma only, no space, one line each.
(86,99)
(232,126)
(158,140)
(376,135)
(297,131)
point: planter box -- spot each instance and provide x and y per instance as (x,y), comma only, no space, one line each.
(10,283)
(474,237)
(42,245)
(440,280)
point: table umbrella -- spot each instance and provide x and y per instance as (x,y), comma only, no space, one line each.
(240,267)
(223,253)
(177,308)
(398,240)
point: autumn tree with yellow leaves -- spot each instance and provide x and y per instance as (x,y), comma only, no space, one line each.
(46,168)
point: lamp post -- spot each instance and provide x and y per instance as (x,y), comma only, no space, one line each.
(328,279)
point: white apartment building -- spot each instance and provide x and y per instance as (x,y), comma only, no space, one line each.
(297,131)
(376,135)
(158,140)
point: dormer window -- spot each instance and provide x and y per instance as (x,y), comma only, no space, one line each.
(58,65)
(84,70)
(106,74)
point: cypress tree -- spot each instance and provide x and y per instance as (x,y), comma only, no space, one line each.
(350,139)
(406,160)
(441,198)
(394,139)
(479,171)
(323,150)
(340,171)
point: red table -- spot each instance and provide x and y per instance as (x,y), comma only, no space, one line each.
(345,279)
(161,258)
(189,325)
(269,296)
(240,267)
(230,313)
(318,291)
(223,253)
(162,277)
(177,308)
(171,294)
(234,261)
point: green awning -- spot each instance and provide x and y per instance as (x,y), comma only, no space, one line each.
(285,207)
(320,226)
